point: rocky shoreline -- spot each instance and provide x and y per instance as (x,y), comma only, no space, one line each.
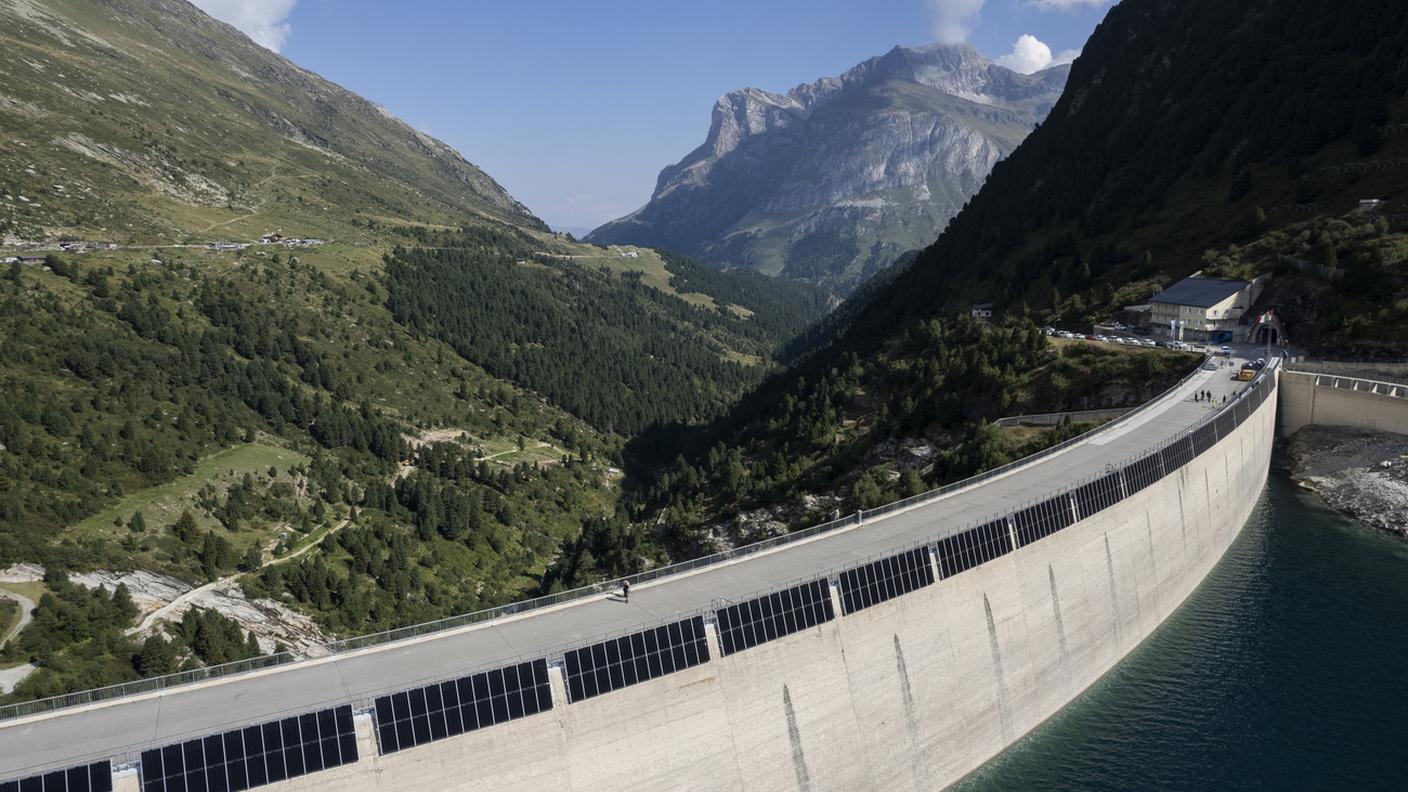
(1361,473)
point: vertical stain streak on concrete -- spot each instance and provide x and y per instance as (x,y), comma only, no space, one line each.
(1002,711)
(1207,495)
(1114,592)
(794,735)
(1060,623)
(1183,521)
(1153,557)
(911,722)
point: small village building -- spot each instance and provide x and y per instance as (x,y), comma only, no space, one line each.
(1205,310)
(981,311)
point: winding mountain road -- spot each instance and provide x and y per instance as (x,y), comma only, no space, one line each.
(26,615)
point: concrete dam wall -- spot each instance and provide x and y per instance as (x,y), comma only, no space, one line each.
(903,672)
(1309,399)
(910,693)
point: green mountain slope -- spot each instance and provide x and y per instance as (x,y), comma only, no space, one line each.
(415,419)
(604,345)
(1191,134)
(150,122)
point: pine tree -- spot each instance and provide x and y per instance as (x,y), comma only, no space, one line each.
(156,657)
(185,527)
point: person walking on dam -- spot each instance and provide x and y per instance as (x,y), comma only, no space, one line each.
(626,590)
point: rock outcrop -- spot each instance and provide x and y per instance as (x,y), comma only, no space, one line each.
(832,181)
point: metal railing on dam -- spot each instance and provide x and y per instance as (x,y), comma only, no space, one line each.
(622,658)
(169,681)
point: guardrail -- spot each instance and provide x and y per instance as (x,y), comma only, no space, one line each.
(1397,390)
(1054,419)
(152,684)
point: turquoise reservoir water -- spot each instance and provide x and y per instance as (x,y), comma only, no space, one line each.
(1286,670)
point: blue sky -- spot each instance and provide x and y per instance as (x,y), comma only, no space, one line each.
(575,106)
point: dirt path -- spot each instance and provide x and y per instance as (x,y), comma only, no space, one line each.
(254,210)
(300,551)
(26,615)
(168,611)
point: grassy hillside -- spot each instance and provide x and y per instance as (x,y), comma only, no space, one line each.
(354,441)
(150,122)
(174,414)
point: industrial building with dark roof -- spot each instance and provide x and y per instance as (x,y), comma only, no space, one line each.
(1200,292)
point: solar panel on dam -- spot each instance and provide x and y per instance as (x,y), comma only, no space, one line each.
(963,551)
(1176,454)
(255,755)
(1225,423)
(744,625)
(878,581)
(1142,472)
(447,709)
(1242,409)
(96,777)
(1098,495)
(1204,437)
(638,657)
(1043,519)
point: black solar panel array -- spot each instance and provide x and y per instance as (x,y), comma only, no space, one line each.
(1176,454)
(1142,472)
(1225,423)
(961,552)
(447,709)
(1043,519)
(1094,496)
(1204,437)
(878,581)
(253,756)
(638,657)
(1242,409)
(746,624)
(96,777)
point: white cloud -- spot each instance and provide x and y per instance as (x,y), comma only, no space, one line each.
(1066,5)
(953,19)
(1031,54)
(261,20)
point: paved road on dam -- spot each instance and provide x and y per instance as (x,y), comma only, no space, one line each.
(120,728)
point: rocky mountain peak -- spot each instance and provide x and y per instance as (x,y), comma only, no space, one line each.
(834,179)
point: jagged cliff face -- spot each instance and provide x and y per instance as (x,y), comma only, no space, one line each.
(832,181)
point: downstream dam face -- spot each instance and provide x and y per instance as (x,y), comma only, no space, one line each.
(911,693)
(902,670)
